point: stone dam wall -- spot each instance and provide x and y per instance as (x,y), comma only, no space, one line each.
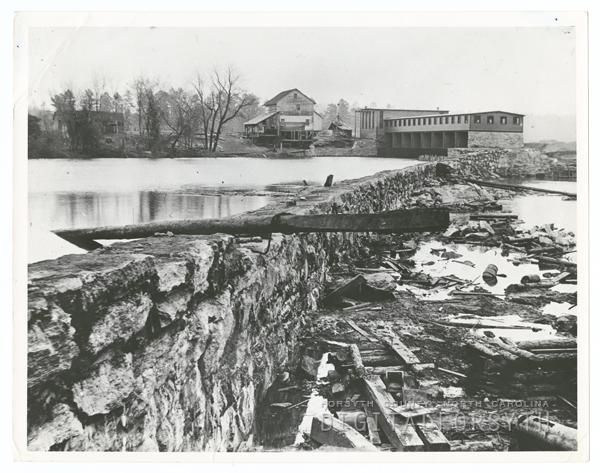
(168,343)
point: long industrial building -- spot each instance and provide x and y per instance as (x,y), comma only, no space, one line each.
(434,134)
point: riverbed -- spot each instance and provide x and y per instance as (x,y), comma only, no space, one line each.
(69,193)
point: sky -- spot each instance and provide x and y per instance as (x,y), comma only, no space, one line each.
(523,70)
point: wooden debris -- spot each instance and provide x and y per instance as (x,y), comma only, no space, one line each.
(401,350)
(361,331)
(411,411)
(551,434)
(372,425)
(402,437)
(327,430)
(471,445)
(499,185)
(453,373)
(432,436)
(549,343)
(493,216)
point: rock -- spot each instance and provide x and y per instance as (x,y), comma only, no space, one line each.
(452,231)
(62,426)
(173,305)
(310,366)
(119,322)
(50,345)
(107,386)
(566,323)
(171,273)
(381,281)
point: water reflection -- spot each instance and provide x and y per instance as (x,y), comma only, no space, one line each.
(48,211)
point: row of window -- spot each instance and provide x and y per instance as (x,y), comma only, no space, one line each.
(449,119)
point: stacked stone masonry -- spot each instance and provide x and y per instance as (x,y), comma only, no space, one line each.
(169,343)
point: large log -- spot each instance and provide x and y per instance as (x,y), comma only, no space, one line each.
(551,434)
(549,343)
(402,436)
(499,185)
(397,221)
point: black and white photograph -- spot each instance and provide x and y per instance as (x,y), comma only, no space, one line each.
(312,235)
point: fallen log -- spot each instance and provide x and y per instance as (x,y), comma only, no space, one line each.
(327,430)
(397,221)
(550,343)
(403,437)
(493,216)
(557,261)
(551,434)
(499,185)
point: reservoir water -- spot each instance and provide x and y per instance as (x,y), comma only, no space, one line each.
(66,193)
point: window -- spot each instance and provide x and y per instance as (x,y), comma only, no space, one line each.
(452,119)
(295,95)
(466,118)
(446,120)
(516,120)
(429,121)
(418,121)
(490,120)
(414,121)
(477,119)
(435,120)
(503,120)
(458,119)
(297,108)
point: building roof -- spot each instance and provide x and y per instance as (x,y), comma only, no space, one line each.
(457,114)
(340,125)
(280,95)
(260,118)
(404,109)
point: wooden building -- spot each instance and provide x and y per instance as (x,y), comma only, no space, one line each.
(291,120)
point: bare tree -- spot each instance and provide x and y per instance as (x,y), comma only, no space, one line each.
(179,112)
(220,101)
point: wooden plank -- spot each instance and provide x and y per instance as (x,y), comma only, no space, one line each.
(361,331)
(432,436)
(402,437)
(372,425)
(453,373)
(498,185)
(327,430)
(402,351)
(412,410)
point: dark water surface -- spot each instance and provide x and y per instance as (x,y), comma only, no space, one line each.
(65,193)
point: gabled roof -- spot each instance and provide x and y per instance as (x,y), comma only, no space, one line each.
(280,95)
(340,125)
(260,118)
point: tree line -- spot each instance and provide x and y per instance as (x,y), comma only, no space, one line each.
(164,119)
